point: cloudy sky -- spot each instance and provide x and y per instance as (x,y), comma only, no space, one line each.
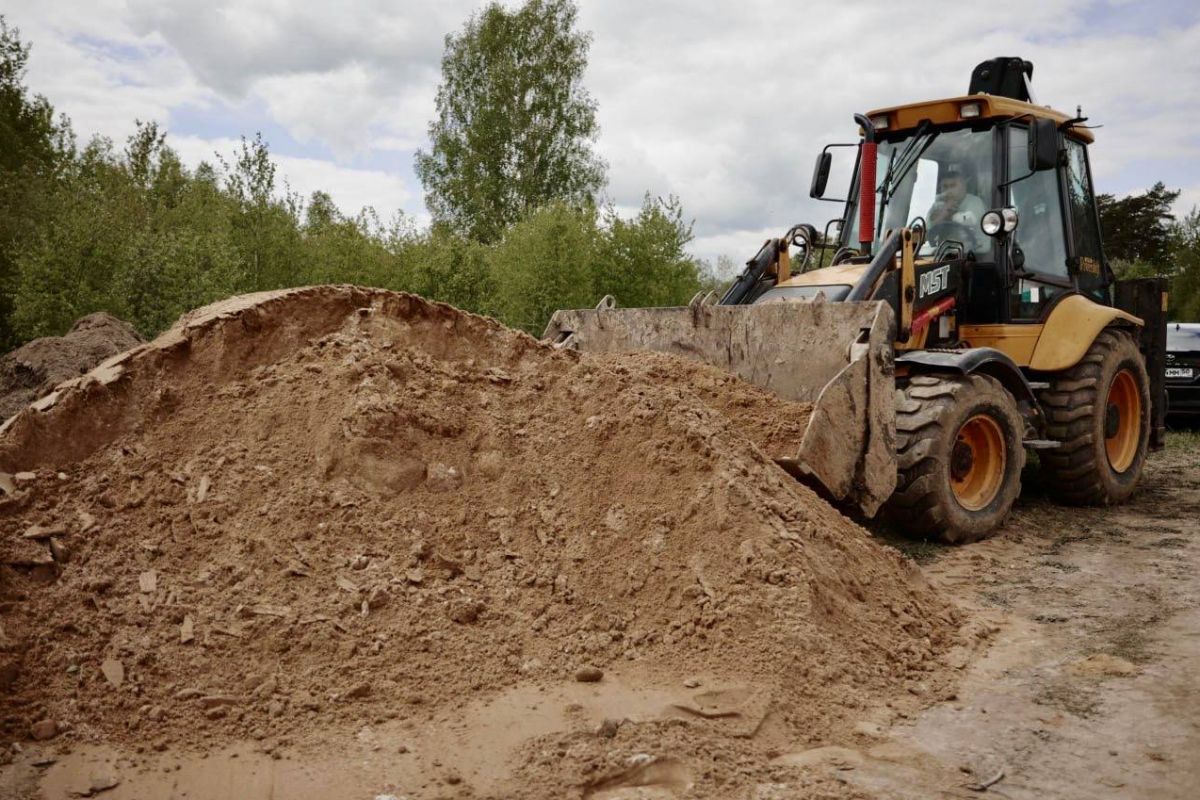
(724,104)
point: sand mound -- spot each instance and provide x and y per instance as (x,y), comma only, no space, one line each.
(34,369)
(308,511)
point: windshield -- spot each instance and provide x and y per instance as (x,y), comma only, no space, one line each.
(942,177)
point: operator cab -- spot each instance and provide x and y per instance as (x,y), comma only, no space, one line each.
(943,165)
(989,181)
(993,197)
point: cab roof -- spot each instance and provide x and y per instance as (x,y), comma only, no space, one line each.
(949,110)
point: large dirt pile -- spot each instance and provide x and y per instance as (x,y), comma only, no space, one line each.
(35,368)
(302,512)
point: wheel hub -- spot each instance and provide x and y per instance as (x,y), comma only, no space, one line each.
(962,458)
(977,462)
(1123,421)
(1112,421)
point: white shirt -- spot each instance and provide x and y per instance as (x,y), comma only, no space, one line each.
(968,214)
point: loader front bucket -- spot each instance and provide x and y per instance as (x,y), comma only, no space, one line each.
(836,356)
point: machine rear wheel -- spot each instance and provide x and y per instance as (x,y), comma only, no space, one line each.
(959,456)
(1099,410)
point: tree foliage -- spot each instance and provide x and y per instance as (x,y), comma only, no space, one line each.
(1138,227)
(1143,239)
(514,123)
(32,146)
(1185,289)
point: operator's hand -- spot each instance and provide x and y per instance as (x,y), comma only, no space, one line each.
(942,210)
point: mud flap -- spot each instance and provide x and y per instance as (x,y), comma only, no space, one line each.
(836,356)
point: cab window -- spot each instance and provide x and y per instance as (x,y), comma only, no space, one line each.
(943,178)
(1084,228)
(1040,230)
(1040,240)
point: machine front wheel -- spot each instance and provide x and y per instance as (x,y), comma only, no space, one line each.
(959,457)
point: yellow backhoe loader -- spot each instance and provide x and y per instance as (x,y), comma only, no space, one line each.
(967,314)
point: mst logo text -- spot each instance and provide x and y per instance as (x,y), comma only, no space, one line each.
(934,281)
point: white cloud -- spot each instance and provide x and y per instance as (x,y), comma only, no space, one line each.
(722,104)
(1188,201)
(350,188)
(91,65)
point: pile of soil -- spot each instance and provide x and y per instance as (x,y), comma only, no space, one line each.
(34,369)
(301,512)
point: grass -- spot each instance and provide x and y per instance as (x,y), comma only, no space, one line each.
(1183,440)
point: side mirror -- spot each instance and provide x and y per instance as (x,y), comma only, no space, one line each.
(1043,145)
(821,175)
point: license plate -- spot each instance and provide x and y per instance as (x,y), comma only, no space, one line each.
(1179,372)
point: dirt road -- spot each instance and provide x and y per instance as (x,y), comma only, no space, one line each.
(1090,689)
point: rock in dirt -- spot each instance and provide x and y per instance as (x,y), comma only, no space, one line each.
(100,780)
(589,674)
(443,477)
(114,672)
(43,730)
(608,728)
(44,531)
(358,692)
(148,582)
(59,551)
(465,612)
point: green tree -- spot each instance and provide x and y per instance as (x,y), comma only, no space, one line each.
(267,226)
(1185,286)
(546,262)
(643,261)
(514,123)
(341,249)
(442,265)
(131,233)
(33,147)
(1138,227)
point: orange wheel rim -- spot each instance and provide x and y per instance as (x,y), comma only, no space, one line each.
(1122,421)
(977,462)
